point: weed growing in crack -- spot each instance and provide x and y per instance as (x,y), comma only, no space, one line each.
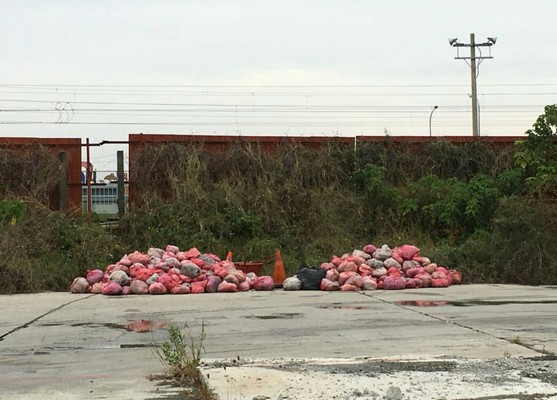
(181,355)
(517,340)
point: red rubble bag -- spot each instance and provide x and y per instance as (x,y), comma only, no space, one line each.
(157,288)
(332,275)
(347,266)
(79,285)
(139,287)
(343,277)
(232,279)
(362,254)
(394,271)
(244,286)
(379,272)
(143,274)
(369,249)
(411,283)
(137,257)
(456,276)
(264,283)
(327,266)
(355,280)
(111,288)
(368,283)
(355,259)
(408,252)
(336,261)
(418,282)
(365,270)
(193,253)
(430,268)
(349,288)
(181,289)
(422,260)
(440,283)
(394,283)
(227,287)
(425,278)
(94,276)
(412,272)
(328,285)
(172,249)
(409,264)
(97,288)
(213,283)
(198,287)
(125,261)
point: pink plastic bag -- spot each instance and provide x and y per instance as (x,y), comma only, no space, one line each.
(264,283)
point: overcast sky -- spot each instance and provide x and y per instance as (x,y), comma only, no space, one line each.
(270,67)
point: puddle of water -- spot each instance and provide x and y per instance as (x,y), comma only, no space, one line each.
(428,303)
(141,326)
(275,316)
(100,325)
(136,345)
(345,307)
(421,303)
(499,302)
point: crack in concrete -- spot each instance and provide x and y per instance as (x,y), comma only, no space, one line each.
(519,396)
(25,325)
(531,348)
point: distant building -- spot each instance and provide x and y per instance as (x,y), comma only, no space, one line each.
(104,198)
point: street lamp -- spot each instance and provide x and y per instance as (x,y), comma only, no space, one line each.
(431,115)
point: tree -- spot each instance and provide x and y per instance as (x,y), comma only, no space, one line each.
(537,155)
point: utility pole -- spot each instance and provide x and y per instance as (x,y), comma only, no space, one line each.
(473,75)
(474,70)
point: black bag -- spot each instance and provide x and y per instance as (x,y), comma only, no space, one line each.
(311,277)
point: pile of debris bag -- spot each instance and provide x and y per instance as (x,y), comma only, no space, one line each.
(170,271)
(374,268)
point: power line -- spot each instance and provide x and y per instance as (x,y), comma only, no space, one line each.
(263,86)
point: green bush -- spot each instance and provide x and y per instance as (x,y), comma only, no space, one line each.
(46,250)
(537,155)
(450,207)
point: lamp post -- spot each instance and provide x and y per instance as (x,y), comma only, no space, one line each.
(431,115)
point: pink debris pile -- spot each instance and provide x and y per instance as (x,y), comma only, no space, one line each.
(382,268)
(170,271)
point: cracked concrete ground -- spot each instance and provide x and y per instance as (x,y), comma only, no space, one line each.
(484,341)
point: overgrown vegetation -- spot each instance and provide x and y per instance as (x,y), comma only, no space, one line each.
(43,250)
(30,172)
(488,211)
(181,356)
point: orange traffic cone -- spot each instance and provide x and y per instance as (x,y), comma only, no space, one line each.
(278,275)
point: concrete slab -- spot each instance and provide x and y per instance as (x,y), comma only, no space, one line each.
(385,378)
(58,345)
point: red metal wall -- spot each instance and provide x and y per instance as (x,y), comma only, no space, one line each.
(70,146)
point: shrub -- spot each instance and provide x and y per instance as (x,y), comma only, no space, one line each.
(46,250)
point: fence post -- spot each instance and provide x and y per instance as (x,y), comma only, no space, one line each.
(120,177)
(63,183)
